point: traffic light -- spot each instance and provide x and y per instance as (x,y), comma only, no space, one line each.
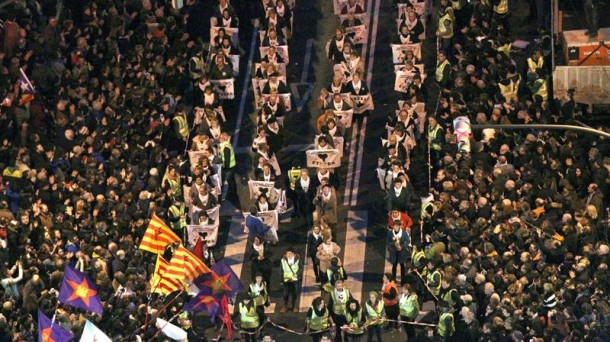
(462,129)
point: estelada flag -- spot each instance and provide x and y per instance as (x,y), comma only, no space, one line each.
(157,236)
(185,265)
(27,89)
(48,331)
(221,280)
(160,283)
(79,291)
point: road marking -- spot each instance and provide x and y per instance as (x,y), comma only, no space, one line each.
(369,76)
(350,165)
(299,100)
(246,87)
(309,289)
(354,252)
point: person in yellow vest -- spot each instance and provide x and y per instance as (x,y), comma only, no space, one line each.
(248,318)
(318,319)
(500,17)
(509,88)
(339,297)
(375,316)
(442,73)
(293,175)
(353,329)
(538,87)
(176,215)
(446,27)
(389,294)
(227,155)
(180,125)
(290,278)
(171,181)
(449,293)
(197,66)
(433,280)
(260,296)
(446,322)
(535,63)
(408,303)
(436,139)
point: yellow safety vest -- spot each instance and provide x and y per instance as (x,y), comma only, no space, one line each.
(448,297)
(317,323)
(290,271)
(184,316)
(416,258)
(542,91)
(446,31)
(259,297)
(177,212)
(409,306)
(248,317)
(432,135)
(533,66)
(505,48)
(340,305)
(434,289)
(354,322)
(175,185)
(228,145)
(502,7)
(510,91)
(444,329)
(183,126)
(293,176)
(438,73)
(424,207)
(375,313)
(197,73)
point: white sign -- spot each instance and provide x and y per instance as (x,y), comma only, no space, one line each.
(259,187)
(345,117)
(420,9)
(233,32)
(224,88)
(193,230)
(358,34)
(399,52)
(235,63)
(362,103)
(282,50)
(284,99)
(403,80)
(323,158)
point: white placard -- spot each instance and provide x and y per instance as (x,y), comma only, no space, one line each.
(282,50)
(284,98)
(358,34)
(224,88)
(362,103)
(258,187)
(233,32)
(420,9)
(398,52)
(235,63)
(193,230)
(345,116)
(323,158)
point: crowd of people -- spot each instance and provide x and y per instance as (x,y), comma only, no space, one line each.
(104,103)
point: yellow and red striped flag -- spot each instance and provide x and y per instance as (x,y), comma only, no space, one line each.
(160,283)
(157,236)
(185,265)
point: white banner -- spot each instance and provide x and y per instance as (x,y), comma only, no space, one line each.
(358,34)
(399,52)
(338,143)
(224,88)
(280,68)
(323,158)
(403,80)
(362,103)
(233,32)
(284,99)
(282,50)
(259,187)
(345,117)
(193,230)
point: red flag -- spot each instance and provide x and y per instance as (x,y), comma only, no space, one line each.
(198,248)
(226,317)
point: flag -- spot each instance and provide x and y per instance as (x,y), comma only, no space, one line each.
(161,284)
(157,236)
(185,265)
(172,331)
(51,332)
(198,248)
(221,280)
(79,291)
(27,89)
(204,302)
(93,333)
(226,316)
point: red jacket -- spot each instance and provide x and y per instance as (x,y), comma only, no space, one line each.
(405,221)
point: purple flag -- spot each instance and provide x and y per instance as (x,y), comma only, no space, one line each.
(51,332)
(78,290)
(222,280)
(204,301)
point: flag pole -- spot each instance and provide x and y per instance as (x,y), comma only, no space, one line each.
(25,77)
(162,309)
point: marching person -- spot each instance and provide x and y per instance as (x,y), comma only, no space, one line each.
(397,242)
(389,294)
(314,240)
(354,322)
(375,316)
(248,318)
(326,251)
(339,298)
(409,308)
(290,270)
(446,321)
(259,294)
(318,319)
